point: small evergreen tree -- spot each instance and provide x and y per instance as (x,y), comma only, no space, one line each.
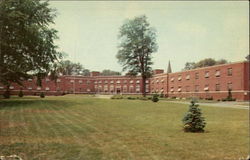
(155,97)
(42,95)
(193,120)
(20,94)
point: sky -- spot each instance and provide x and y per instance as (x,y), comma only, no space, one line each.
(186,31)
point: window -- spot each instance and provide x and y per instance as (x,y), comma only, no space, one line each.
(229,71)
(38,88)
(217,73)
(188,77)
(30,80)
(131,89)
(187,88)
(100,82)
(138,88)
(29,88)
(196,75)
(11,87)
(138,81)
(105,88)
(131,81)
(88,81)
(147,81)
(72,81)
(47,88)
(179,89)
(172,79)
(80,81)
(206,88)
(111,82)
(106,82)
(1,87)
(207,74)
(58,80)
(172,89)
(196,89)
(229,85)
(118,82)
(179,78)
(162,81)
(125,88)
(217,87)
(125,81)
(47,79)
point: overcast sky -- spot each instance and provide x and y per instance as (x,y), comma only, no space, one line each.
(186,31)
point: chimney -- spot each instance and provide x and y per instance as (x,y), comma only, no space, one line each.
(94,73)
(158,71)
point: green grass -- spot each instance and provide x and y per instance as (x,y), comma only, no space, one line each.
(82,127)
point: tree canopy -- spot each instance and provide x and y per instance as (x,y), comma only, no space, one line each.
(66,67)
(137,43)
(26,40)
(204,63)
(107,72)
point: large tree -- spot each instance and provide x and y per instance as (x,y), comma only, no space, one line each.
(27,46)
(137,43)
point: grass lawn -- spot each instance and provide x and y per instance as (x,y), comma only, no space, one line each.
(82,127)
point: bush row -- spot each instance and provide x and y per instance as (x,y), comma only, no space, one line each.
(131,97)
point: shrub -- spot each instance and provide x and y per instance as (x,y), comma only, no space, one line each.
(143,98)
(209,98)
(155,98)
(20,94)
(131,98)
(42,95)
(117,97)
(193,120)
(229,97)
(162,95)
(6,94)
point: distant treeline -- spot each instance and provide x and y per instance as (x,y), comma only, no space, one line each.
(204,63)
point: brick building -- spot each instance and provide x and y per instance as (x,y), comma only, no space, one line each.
(204,82)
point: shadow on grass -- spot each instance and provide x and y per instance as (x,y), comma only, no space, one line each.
(37,151)
(31,102)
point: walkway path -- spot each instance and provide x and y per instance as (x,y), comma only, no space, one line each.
(238,105)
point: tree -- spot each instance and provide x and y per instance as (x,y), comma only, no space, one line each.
(204,63)
(107,72)
(193,120)
(189,65)
(86,72)
(27,46)
(137,43)
(66,67)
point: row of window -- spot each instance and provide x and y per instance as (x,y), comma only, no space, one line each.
(206,88)
(118,81)
(206,75)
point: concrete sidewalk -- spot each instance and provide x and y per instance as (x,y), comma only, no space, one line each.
(237,105)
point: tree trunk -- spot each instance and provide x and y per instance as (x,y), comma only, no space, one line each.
(143,90)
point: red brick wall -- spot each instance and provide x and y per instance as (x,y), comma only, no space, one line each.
(160,83)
